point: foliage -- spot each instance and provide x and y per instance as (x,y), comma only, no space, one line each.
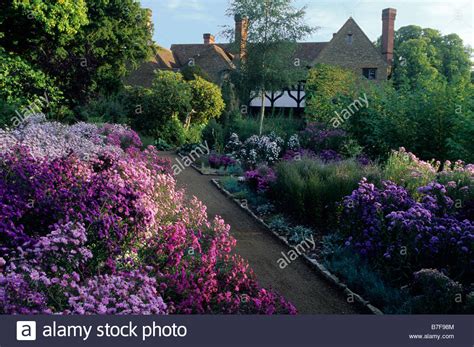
(22,85)
(426,121)
(97,215)
(279,224)
(172,131)
(400,236)
(324,85)
(274,28)
(434,293)
(173,109)
(192,72)
(207,102)
(105,109)
(231,184)
(422,55)
(360,277)
(171,95)
(80,44)
(162,145)
(405,169)
(310,190)
(213,134)
(284,127)
(7,113)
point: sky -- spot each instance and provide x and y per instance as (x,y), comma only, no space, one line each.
(185,21)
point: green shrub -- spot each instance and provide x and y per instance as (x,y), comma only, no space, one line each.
(280,225)
(311,190)
(362,279)
(405,169)
(282,126)
(7,112)
(162,145)
(24,86)
(214,135)
(109,109)
(323,87)
(173,109)
(172,132)
(432,123)
(192,72)
(435,293)
(193,133)
(206,102)
(170,96)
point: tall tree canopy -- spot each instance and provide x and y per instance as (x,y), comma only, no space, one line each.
(424,56)
(85,45)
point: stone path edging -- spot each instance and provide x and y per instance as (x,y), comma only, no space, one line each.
(198,169)
(317,266)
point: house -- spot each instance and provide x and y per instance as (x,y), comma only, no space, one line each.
(349,48)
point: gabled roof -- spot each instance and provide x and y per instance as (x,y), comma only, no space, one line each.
(350,26)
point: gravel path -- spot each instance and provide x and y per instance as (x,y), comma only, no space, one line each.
(298,282)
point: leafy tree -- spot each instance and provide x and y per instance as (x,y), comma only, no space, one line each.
(31,26)
(161,108)
(171,94)
(273,30)
(207,102)
(22,85)
(85,45)
(325,84)
(423,56)
(433,123)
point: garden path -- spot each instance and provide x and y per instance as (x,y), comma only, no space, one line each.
(298,283)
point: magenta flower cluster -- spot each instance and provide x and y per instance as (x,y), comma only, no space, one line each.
(261,178)
(100,228)
(218,161)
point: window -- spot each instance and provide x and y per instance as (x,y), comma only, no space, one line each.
(370,73)
(349,38)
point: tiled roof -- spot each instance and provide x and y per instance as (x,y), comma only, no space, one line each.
(308,51)
(214,59)
(211,58)
(165,59)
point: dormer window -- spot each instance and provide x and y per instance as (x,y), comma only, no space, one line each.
(349,38)
(370,73)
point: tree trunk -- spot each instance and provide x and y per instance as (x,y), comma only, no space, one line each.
(262,112)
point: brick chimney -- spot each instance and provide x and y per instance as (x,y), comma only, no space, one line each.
(209,39)
(388,34)
(241,33)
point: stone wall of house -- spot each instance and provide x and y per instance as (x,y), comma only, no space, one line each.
(350,48)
